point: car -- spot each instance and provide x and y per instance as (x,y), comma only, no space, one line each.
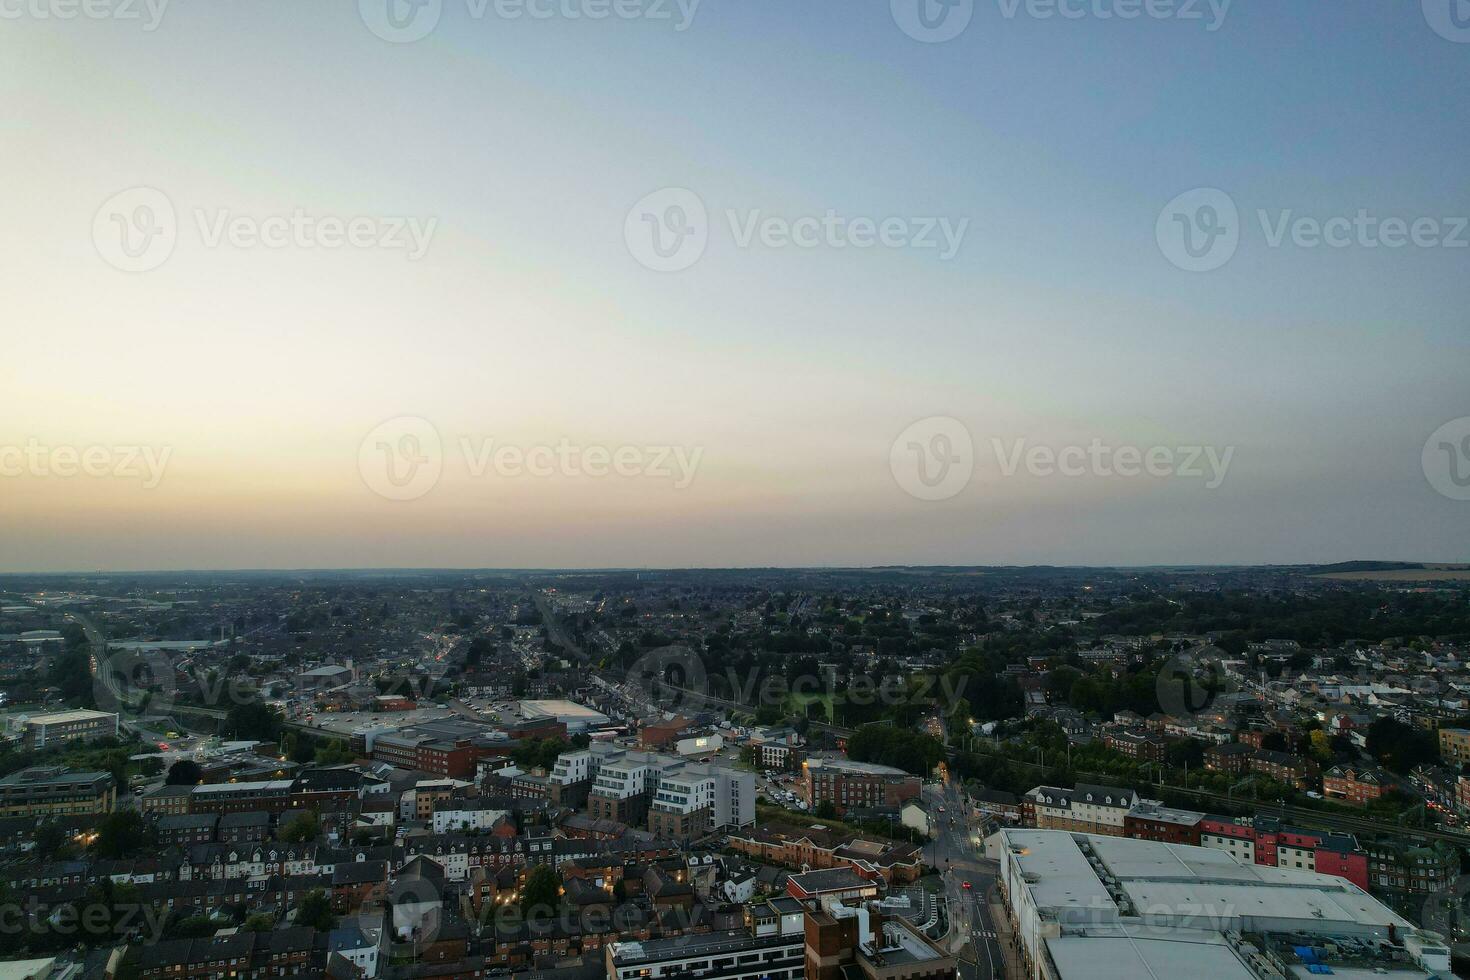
(941,809)
(967,886)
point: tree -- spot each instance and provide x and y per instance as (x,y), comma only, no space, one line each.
(825,810)
(259,922)
(1274,742)
(539,754)
(898,747)
(192,927)
(315,911)
(1400,747)
(253,719)
(1321,746)
(542,892)
(332,753)
(185,772)
(301,829)
(121,834)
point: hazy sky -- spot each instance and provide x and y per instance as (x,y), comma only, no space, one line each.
(792,393)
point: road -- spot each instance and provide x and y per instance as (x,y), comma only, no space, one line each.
(554,629)
(957,851)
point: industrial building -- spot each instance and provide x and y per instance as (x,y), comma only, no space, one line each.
(1110,908)
(577,717)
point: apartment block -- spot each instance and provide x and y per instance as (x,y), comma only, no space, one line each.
(1088,809)
(857,785)
(1454,745)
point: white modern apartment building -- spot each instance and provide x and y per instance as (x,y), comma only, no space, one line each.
(679,798)
(572,767)
(693,799)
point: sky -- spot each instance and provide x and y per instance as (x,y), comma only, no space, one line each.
(594,283)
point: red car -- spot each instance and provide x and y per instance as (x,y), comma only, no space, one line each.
(967,885)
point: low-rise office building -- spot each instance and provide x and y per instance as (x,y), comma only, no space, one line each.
(44,731)
(45,791)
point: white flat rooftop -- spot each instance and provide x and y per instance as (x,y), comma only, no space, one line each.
(64,717)
(1127,957)
(1177,903)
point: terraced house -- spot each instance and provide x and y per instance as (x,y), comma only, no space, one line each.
(1088,809)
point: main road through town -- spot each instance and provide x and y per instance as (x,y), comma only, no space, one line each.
(957,851)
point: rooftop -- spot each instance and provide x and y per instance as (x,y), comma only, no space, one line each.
(1128,908)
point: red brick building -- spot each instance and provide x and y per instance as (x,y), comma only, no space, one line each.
(1153,821)
(847,784)
(1358,785)
(1145,746)
(1232,757)
(1267,842)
